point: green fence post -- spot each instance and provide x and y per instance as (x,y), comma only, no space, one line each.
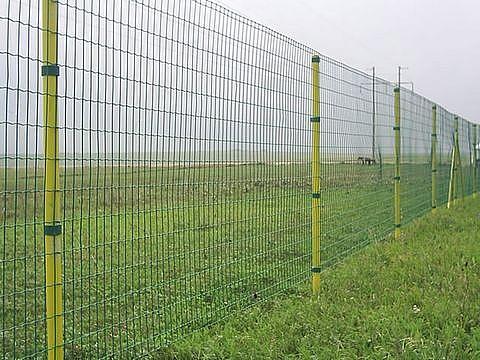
(397,156)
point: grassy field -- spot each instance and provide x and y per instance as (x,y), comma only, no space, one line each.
(150,254)
(417,298)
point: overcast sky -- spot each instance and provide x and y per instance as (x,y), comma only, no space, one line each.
(439,41)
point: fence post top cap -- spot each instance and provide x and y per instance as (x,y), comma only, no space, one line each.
(434,107)
(315,58)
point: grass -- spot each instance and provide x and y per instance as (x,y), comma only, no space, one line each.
(152,253)
(417,298)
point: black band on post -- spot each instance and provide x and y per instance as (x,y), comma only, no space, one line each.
(315,119)
(50,70)
(316,195)
(316,270)
(396,128)
(52,230)
(396,178)
(315,59)
(398,225)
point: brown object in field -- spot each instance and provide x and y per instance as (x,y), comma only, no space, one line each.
(365,160)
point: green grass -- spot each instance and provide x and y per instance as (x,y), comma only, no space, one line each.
(417,298)
(152,253)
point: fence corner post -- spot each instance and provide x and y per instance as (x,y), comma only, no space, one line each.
(397,155)
(434,157)
(315,121)
(52,218)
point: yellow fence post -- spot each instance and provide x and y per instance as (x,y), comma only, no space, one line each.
(315,120)
(52,227)
(475,180)
(458,166)
(460,170)
(452,186)
(397,155)
(434,157)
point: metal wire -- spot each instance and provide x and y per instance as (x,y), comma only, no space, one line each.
(185,142)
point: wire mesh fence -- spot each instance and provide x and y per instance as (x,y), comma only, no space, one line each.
(171,142)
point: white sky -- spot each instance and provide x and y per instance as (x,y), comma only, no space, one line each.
(438,40)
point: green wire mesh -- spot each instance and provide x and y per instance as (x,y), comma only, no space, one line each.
(185,150)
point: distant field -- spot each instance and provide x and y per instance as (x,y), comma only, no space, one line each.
(152,253)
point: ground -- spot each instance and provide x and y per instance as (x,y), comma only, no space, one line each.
(417,298)
(152,253)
